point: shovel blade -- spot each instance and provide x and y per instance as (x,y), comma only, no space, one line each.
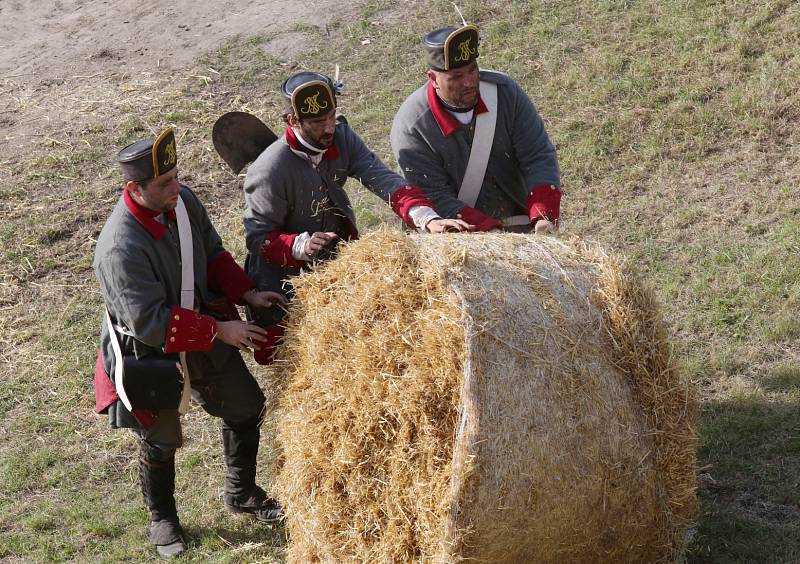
(239,138)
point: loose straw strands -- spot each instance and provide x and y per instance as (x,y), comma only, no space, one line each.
(494,397)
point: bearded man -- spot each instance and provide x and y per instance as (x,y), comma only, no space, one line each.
(474,142)
(296,208)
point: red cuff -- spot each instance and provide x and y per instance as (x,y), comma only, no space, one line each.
(480,220)
(277,249)
(266,353)
(227,277)
(405,198)
(189,331)
(544,202)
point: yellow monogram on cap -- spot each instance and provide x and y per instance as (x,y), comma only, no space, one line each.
(306,102)
(167,152)
(458,46)
(465,51)
(172,156)
(312,106)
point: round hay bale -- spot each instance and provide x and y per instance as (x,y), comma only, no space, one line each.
(496,397)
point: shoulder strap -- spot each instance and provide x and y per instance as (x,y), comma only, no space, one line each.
(481,146)
(118,364)
(187,288)
(187,255)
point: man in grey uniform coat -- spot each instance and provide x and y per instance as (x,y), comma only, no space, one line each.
(295,204)
(432,139)
(138,265)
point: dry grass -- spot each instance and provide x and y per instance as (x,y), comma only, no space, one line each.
(459,397)
(644,351)
(367,433)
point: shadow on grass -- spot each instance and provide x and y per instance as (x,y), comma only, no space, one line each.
(749,487)
(257,537)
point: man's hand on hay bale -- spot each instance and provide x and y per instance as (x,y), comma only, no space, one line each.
(448,226)
(541,227)
(544,226)
(265,298)
(317,242)
(240,334)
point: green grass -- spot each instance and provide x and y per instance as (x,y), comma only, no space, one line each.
(675,123)
(729,537)
(750,491)
(783,377)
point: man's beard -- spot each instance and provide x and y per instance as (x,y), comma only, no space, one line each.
(315,142)
(458,107)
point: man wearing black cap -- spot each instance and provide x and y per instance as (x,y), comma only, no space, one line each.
(164,277)
(473,141)
(295,204)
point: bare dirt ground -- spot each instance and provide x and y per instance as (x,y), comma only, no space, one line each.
(63,54)
(56,39)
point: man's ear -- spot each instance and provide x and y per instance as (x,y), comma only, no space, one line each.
(432,76)
(134,188)
(292,120)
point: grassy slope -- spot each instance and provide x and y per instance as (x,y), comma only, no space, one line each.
(674,123)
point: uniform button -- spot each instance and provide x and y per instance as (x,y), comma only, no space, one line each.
(172,339)
(177,317)
(174,329)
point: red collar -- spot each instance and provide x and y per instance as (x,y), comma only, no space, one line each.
(447,122)
(146,216)
(291,139)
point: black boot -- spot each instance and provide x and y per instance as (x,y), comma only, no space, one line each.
(242,495)
(157,478)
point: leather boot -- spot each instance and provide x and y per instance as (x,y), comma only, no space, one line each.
(242,495)
(157,478)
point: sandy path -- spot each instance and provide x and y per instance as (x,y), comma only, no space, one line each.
(41,40)
(68,63)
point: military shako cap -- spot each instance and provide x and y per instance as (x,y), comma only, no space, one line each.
(311,94)
(149,158)
(451,47)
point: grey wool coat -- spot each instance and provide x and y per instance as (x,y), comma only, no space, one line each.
(522,156)
(140,280)
(286,193)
